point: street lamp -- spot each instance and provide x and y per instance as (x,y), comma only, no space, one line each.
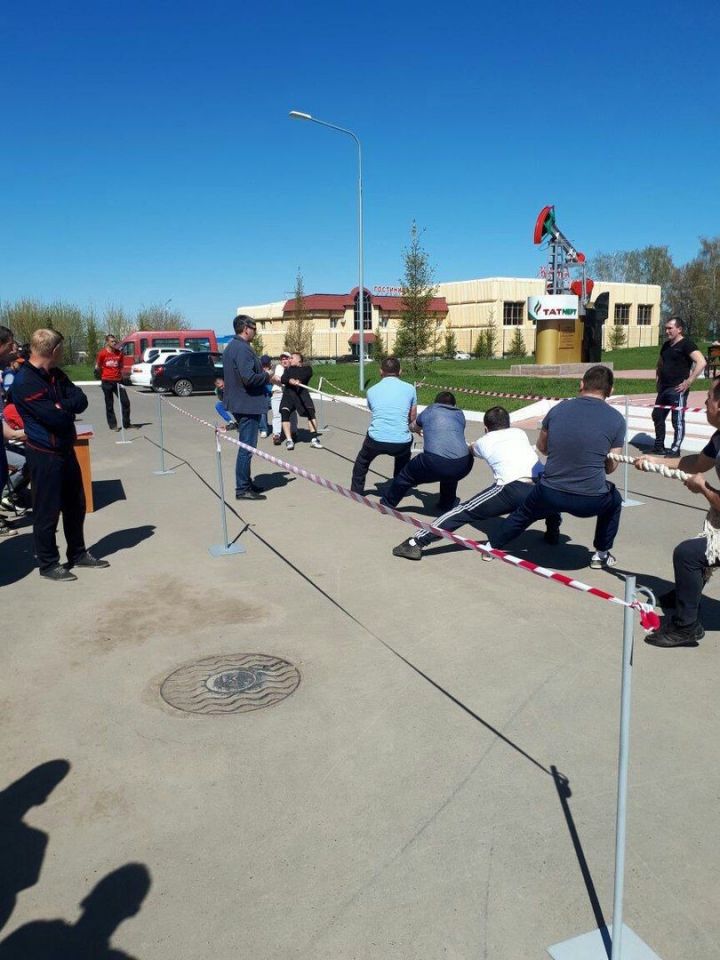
(297,115)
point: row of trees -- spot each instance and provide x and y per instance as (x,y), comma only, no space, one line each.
(85,329)
(690,289)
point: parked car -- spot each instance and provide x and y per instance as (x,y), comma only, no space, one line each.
(141,373)
(134,345)
(188,373)
(462,356)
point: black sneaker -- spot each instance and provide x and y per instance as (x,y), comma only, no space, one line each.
(87,560)
(670,634)
(659,450)
(57,572)
(250,494)
(673,452)
(408,550)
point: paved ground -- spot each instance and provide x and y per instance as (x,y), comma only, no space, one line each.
(401,803)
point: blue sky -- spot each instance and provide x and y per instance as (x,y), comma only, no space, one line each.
(147,151)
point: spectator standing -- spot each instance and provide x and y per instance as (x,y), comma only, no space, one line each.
(48,403)
(679,365)
(393,407)
(275,399)
(445,457)
(577,435)
(109,363)
(245,398)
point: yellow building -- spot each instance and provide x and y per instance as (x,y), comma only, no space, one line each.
(465,308)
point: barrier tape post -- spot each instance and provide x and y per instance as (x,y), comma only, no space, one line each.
(625,944)
(162,472)
(322,423)
(122,419)
(225,548)
(627,501)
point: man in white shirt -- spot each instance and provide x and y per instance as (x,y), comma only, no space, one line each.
(277,392)
(515,467)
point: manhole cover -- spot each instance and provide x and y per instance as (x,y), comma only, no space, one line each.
(236,683)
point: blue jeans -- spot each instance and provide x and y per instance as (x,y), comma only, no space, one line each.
(543,501)
(248,428)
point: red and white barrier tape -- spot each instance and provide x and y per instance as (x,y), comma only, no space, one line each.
(648,618)
(346,392)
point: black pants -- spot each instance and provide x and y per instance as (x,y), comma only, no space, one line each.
(690,565)
(544,501)
(494,501)
(57,489)
(670,397)
(375,448)
(110,391)
(429,468)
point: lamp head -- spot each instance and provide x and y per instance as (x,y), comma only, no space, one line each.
(297,115)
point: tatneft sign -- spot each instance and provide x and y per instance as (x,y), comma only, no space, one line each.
(553,306)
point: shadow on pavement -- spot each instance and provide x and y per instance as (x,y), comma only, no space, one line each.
(22,847)
(106,492)
(122,540)
(17,559)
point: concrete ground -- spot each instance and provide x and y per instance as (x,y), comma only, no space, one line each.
(441,783)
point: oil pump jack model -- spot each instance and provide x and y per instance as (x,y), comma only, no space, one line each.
(568,328)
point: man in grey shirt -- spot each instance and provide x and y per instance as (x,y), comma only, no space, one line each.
(445,458)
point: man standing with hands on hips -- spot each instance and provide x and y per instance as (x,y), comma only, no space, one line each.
(679,365)
(109,363)
(246,399)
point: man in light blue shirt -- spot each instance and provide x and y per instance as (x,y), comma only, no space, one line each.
(393,405)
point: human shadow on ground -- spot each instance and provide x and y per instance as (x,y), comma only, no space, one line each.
(270,481)
(562,785)
(22,847)
(106,492)
(118,896)
(528,546)
(709,606)
(122,540)
(17,558)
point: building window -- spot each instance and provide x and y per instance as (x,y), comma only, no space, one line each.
(383,322)
(644,314)
(513,313)
(333,323)
(367,311)
(622,314)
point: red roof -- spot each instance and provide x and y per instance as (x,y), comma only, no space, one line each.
(344,301)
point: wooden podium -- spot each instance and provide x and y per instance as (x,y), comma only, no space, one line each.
(85,433)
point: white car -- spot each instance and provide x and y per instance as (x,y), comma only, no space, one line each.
(462,356)
(141,373)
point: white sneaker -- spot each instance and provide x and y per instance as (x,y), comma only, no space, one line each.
(263,434)
(289,445)
(315,442)
(601,559)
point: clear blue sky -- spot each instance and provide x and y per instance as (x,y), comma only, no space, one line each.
(147,151)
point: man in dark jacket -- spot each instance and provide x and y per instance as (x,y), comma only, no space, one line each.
(48,402)
(246,399)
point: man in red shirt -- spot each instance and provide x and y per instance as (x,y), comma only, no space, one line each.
(109,363)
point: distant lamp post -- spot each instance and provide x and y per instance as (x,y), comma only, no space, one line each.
(297,115)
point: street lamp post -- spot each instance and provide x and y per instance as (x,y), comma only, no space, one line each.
(297,115)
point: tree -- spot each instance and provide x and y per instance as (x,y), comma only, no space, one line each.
(694,290)
(491,335)
(298,338)
(117,321)
(417,324)
(24,317)
(616,336)
(92,336)
(258,344)
(480,350)
(159,317)
(378,348)
(652,264)
(517,344)
(450,345)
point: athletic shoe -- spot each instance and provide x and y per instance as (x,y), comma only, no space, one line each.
(315,442)
(659,450)
(289,444)
(263,434)
(9,504)
(408,550)
(250,495)
(6,530)
(87,560)
(602,559)
(277,439)
(57,572)
(673,452)
(670,634)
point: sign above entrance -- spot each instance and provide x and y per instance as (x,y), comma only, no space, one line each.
(559,306)
(385,291)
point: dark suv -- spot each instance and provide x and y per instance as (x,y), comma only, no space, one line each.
(188,372)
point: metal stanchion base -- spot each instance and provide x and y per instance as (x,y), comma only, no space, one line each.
(591,946)
(118,442)
(162,473)
(221,550)
(633,503)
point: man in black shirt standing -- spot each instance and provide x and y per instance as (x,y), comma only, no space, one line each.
(679,365)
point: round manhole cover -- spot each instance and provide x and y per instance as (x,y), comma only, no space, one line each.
(236,683)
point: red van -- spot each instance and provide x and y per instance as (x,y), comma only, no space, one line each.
(134,345)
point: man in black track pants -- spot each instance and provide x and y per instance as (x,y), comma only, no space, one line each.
(679,365)
(515,467)
(48,402)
